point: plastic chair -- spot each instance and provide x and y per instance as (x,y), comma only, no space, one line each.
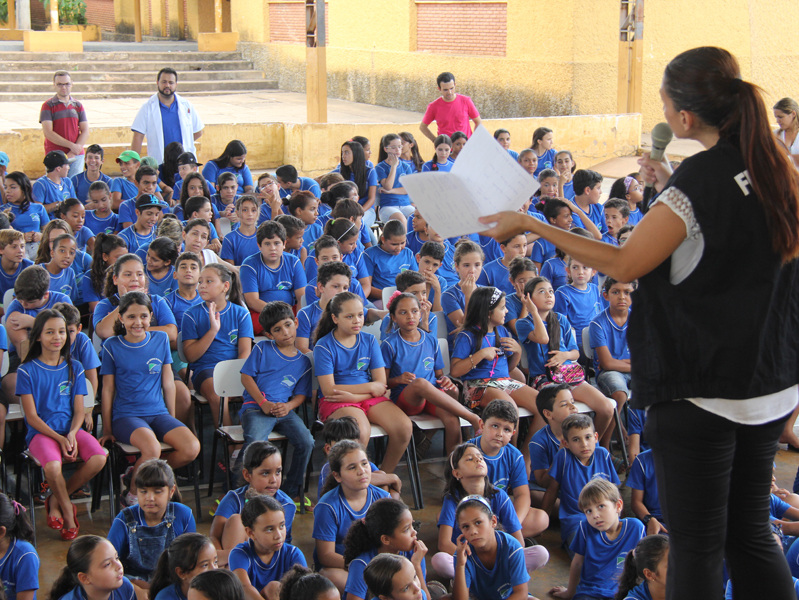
(225,226)
(387,291)
(441,324)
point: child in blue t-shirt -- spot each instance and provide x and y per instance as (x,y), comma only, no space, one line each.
(347,496)
(29,216)
(271,274)
(430,258)
(81,349)
(643,484)
(295,230)
(496,273)
(617,215)
(71,210)
(99,216)
(503,137)
(558,214)
(62,277)
(394,577)
(160,268)
(565,166)
(140,533)
(346,233)
(138,404)
(125,187)
(184,293)
(12,258)
(580,299)
(394,200)
(543,146)
(188,555)
(326,249)
(100,556)
(575,465)
(520,270)
(277,380)
(304,206)
(388,259)
(599,544)
(232,160)
(19,563)
(241,242)
(261,561)
(414,283)
(417,234)
(142,232)
(645,568)
(220,329)
(555,269)
(441,161)
(468,261)
(262,474)
(587,192)
(447,269)
(224,200)
(332,278)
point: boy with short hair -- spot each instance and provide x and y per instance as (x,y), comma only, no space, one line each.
(187,163)
(241,242)
(388,259)
(200,207)
(325,250)
(271,274)
(277,379)
(447,268)
(332,278)
(80,348)
(430,258)
(146,183)
(554,403)
(52,189)
(600,544)
(142,232)
(125,187)
(587,191)
(617,213)
(295,232)
(225,199)
(99,216)
(82,181)
(346,428)
(574,466)
(496,273)
(12,259)
(412,282)
(289,181)
(506,468)
(184,296)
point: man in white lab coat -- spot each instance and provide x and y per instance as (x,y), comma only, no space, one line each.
(165,118)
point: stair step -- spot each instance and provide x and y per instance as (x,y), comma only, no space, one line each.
(127,66)
(81,78)
(163,57)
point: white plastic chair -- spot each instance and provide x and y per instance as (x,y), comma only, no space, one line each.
(225,226)
(387,291)
(441,324)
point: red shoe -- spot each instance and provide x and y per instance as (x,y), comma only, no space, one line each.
(70,534)
(52,522)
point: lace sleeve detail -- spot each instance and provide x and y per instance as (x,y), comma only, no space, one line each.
(681,206)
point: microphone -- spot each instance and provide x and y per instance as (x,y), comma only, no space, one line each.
(661,136)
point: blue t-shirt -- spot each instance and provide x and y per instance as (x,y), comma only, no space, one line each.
(307,319)
(273,284)
(171,592)
(47,192)
(179,305)
(383,169)
(118,534)
(127,210)
(355,582)
(501,506)
(7,281)
(604,331)
(53,390)
(236,247)
(497,275)
(490,246)
(508,571)
(412,240)
(604,558)
(514,306)
(641,592)
(306,185)
(245,557)
(485,369)
(636,419)
(128,189)
(506,469)
(333,516)
(642,477)
(235,323)
(3,338)
(33,219)
(162,286)
(81,183)
(134,240)
(444,168)
(83,351)
(123,592)
(383,267)
(98,225)
(348,366)
(387,327)
(572,475)
(176,190)
(538,354)
(137,374)
(545,161)
(161,311)
(234,501)
(554,269)
(325,471)
(542,251)
(64,282)
(609,238)
(596,212)
(212,171)
(544,445)
(635,216)
(80,266)
(422,358)
(310,290)
(53,298)
(354,260)
(278,376)
(82,237)
(312,233)
(579,306)
(19,569)
(452,300)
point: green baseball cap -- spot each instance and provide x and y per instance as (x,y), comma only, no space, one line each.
(129,155)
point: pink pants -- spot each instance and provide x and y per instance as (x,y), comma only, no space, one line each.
(45,449)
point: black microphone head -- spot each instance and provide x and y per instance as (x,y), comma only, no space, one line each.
(661,135)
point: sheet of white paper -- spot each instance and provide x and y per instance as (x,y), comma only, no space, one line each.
(484,180)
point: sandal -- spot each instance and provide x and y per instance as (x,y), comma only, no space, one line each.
(52,522)
(307,502)
(69,534)
(619,465)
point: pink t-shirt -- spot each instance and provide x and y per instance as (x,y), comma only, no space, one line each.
(451,116)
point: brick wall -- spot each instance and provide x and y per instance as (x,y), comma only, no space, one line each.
(101,12)
(287,22)
(39,18)
(462,27)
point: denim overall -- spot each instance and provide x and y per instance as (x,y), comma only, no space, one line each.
(147,543)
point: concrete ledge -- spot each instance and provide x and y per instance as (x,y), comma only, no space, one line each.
(218,42)
(53,41)
(11,35)
(90,33)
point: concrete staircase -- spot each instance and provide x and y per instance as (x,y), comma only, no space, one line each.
(26,76)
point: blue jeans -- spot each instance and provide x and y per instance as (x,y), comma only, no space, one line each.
(257,425)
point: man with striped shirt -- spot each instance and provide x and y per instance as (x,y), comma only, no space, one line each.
(64,123)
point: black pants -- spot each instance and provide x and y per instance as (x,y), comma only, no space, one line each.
(714,480)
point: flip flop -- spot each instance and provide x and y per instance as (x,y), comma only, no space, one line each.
(308,504)
(52,522)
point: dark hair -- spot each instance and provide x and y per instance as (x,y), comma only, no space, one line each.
(394,303)
(434,250)
(197,222)
(223,178)
(168,71)
(156,472)
(499,132)
(193,205)
(393,228)
(458,135)
(218,584)
(300,201)
(519,265)
(648,553)
(324,242)
(504,410)
(329,270)
(553,208)
(300,583)
(585,178)
(346,208)
(477,313)
(35,344)
(268,230)
(444,77)
(547,396)
(184,190)
(507,241)
(337,191)
(274,312)
(559,152)
(287,173)
(43,255)
(552,322)
(188,256)
(382,518)
(169,167)
(145,171)
(291,224)
(610,282)
(473,503)
(32,284)
(110,286)
(181,554)
(233,148)
(14,517)
(379,573)
(69,312)
(329,179)
(407,278)
(341,229)
(416,157)
(231,276)
(325,324)
(707,82)
(95,149)
(128,300)
(256,453)
(64,236)
(619,187)
(453,486)
(467,247)
(356,171)
(258,505)
(343,428)
(620,205)
(538,135)
(104,243)
(335,458)
(65,205)
(625,229)
(576,421)
(98,185)
(25,187)
(79,560)
(165,249)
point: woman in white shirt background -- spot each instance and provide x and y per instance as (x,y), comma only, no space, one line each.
(786,111)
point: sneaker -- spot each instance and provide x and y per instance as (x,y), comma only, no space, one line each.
(126,478)
(528,542)
(127,499)
(233,458)
(84,492)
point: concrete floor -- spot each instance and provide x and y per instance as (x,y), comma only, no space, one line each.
(52,550)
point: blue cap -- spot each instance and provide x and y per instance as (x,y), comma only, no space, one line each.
(4,160)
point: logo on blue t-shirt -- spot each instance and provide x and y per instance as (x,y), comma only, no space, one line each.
(289,381)
(620,559)
(428,363)
(66,290)
(284,285)
(363,363)
(233,335)
(505,590)
(35,218)
(154,366)
(64,388)
(109,230)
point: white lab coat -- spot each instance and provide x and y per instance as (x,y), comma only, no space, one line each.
(148,122)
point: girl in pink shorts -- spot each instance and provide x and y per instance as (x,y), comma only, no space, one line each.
(51,387)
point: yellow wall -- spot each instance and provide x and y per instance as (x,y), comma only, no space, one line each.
(313,148)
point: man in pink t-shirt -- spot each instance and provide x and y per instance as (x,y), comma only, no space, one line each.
(451,111)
